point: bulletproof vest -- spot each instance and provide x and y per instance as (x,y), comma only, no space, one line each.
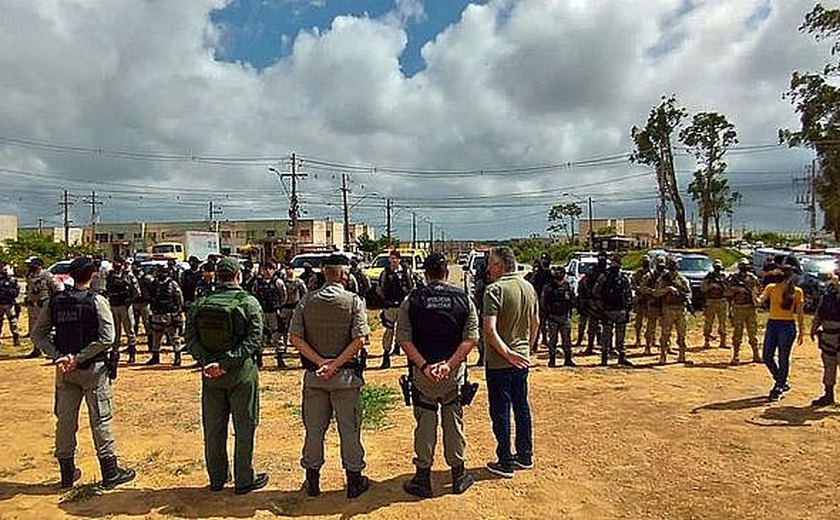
(362,281)
(203,288)
(559,300)
(438,313)
(293,291)
(542,277)
(396,286)
(8,291)
(614,293)
(715,291)
(163,297)
(146,283)
(119,290)
(741,291)
(829,308)
(266,293)
(328,320)
(188,284)
(672,298)
(76,322)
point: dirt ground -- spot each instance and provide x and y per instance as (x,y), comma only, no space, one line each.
(694,441)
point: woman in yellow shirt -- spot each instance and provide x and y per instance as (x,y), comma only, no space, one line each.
(786,311)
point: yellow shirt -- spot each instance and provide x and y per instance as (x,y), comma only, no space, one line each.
(775,292)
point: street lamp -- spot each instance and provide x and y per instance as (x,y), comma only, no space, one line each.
(588,200)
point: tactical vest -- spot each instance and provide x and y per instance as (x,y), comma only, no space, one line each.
(293,292)
(671,298)
(189,283)
(559,300)
(163,297)
(8,291)
(119,290)
(829,308)
(73,313)
(615,293)
(438,314)
(741,292)
(395,286)
(715,291)
(266,293)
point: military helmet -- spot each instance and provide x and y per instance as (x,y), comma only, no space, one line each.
(744,261)
(660,260)
(672,261)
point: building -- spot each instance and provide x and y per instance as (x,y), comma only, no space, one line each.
(8,228)
(644,231)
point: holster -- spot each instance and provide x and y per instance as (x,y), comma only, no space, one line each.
(112,362)
(388,324)
(406,386)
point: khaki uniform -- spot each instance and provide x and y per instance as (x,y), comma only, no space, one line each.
(742,290)
(39,288)
(675,291)
(827,325)
(329,319)
(714,287)
(653,312)
(640,303)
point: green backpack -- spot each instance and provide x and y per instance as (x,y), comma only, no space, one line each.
(220,320)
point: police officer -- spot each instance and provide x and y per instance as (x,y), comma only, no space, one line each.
(826,328)
(248,276)
(675,292)
(480,281)
(308,276)
(437,328)
(654,303)
(742,292)
(121,289)
(270,292)
(223,334)
(394,285)
(640,304)
(207,283)
(40,286)
(167,304)
(141,309)
(189,283)
(539,277)
(328,328)
(714,288)
(362,281)
(556,302)
(613,291)
(84,332)
(9,292)
(587,313)
(295,291)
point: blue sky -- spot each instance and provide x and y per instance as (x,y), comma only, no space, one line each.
(259,32)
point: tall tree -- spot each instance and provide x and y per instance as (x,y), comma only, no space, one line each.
(722,202)
(653,147)
(561,217)
(816,99)
(708,138)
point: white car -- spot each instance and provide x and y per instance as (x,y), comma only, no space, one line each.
(577,268)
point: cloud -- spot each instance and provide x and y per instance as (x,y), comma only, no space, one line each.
(510,84)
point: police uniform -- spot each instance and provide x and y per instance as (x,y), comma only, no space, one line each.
(742,290)
(613,292)
(189,282)
(556,302)
(640,303)
(84,331)
(40,286)
(675,292)
(141,305)
(394,284)
(714,288)
(362,281)
(436,321)
(587,314)
(9,292)
(271,293)
(331,323)
(826,326)
(121,289)
(479,286)
(295,291)
(235,391)
(167,303)
(539,278)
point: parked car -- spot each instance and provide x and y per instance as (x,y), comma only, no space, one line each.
(816,273)
(61,273)
(578,267)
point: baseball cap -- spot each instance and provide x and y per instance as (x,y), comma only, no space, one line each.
(228,265)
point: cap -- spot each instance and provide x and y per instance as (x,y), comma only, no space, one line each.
(228,265)
(34,260)
(80,265)
(717,263)
(208,267)
(337,261)
(743,261)
(435,261)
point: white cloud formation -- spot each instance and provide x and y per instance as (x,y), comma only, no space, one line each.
(511,83)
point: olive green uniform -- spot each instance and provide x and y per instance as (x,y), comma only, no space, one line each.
(675,291)
(329,319)
(714,287)
(742,291)
(234,394)
(431,394)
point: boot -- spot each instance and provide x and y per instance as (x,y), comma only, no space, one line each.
(280,362)
(154,360)
(356,484)
(605,357)
(647,350)
(35,354)
(112,474)
(396,350)
(258,358)
(16,340)
(552,359)
(313,482)
(420,484)
(827,399)
(132,354)
(567,359)
(663,358)
(461,480)
(177,361)
(707,344)
(756,356)
(623,361)
(69,473)
(589,350)
(386,362)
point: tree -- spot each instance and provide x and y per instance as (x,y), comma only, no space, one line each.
(44,247)
(817,101)
(372,246)
(653,148)
(708,138)
(561,217)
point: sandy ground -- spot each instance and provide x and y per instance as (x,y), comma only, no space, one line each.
(695,441)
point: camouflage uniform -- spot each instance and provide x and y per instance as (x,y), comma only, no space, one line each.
(714,288)
(40,286)
(167,304)
(653,311)
(742,289)
(675,292)
(640,304)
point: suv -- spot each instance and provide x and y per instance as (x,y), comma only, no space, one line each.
(694,266)
(578,267)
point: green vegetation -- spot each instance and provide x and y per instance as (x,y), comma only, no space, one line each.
(377,401)
(527,251)
(769,238)
(726,255)
(633,259)
(17,251)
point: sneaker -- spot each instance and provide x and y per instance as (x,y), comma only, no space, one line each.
(523,463)
(501,469)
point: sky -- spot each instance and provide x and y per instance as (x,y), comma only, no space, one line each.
(477,116)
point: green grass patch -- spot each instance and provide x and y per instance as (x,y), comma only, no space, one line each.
(81,492)
(377,401)
(633,259)
(724,254)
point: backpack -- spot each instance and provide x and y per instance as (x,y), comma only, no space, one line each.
(220,320)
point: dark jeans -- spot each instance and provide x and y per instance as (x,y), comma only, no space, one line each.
(779,334)
(508,388)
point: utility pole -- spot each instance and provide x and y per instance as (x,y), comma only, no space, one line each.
(388,220)
(591,223)
(40,226)
(94,214)
(344,192)
(413,229)
(431,236)
(294,202)
(807,198)
(65,206)
(212,212)
(443,241)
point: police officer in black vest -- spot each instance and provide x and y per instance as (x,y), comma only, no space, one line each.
(826,329)
(395,282)
(84,332)
(556,303)
(438,327)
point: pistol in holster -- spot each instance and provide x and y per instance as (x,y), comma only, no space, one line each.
(467,392)
(113,362)
(406,386)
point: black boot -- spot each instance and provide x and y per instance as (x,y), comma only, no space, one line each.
(623,361)
(461,480)
(386,361)
(132,354)
(35,354)
(280,362)
(154,360)
(420,484)
(112,474)
(552,359)
(605,357)
(69,473)
(567,359)
(177,361)
(827,399)
(356,484)
(16,340)
(313,482)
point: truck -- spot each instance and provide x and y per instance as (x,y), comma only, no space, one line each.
(183,245)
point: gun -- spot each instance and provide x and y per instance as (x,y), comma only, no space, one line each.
(112,362)
(467,391)
(406,387)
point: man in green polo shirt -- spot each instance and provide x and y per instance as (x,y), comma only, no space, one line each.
(511,325)
(223,333)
